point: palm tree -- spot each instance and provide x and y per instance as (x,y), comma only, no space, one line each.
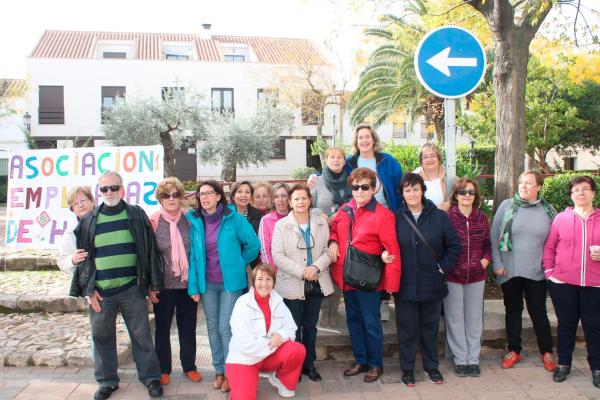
(388,84)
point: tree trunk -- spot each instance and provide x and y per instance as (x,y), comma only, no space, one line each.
(169,148)
(542,161)
(229,171)
(510,74)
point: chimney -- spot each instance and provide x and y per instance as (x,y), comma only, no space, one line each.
(205,32)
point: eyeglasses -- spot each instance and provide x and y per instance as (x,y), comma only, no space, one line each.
(429,157)
(302,245)
(364,187)
(205,194)
(80,202)
(584,191)
(166,196)
(112,188)
(465,192)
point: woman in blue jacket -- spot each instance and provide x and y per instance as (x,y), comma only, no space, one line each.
(222,243)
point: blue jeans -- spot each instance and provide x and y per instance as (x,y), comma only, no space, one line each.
(218,306)
(306,315)
(364,326)
(133,305)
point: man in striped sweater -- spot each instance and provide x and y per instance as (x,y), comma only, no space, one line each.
(122,268)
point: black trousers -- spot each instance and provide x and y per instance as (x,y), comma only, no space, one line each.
(178,302)
(571,304)
(534,292)
(306,315)
(418,323)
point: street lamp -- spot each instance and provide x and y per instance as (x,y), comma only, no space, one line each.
(27,122)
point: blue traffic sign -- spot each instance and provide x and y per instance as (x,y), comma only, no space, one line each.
(450,62)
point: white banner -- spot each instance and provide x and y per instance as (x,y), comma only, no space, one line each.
(39,181)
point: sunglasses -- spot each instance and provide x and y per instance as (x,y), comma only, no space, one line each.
(364,187)
(464,192)
(166,196)
(112,188)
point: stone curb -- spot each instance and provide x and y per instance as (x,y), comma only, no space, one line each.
(16,261)
(28,302)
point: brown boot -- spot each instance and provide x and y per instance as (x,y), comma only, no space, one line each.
(373,374)
(356,369)
(219,379)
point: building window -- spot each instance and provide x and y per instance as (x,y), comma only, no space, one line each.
(222,100)
(268,95)
(279,148)
(425,131)
(52,105)
(109,97)
(569,163)
(235,58)
(114,54)
(312,104)
(172,92)
(177,57)
(399,130)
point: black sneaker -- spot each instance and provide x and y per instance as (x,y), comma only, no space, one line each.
(435,376)
(408,378)
(596,378)
(104,392)
(561,372)
(461,370)
(473,370)
(155,389)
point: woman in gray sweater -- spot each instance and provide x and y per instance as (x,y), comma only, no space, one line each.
(519,230)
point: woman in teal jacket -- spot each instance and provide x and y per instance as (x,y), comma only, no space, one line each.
(222,243)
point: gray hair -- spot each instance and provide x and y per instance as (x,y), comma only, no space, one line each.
(111,173)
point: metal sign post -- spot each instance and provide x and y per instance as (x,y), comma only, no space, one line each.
(450,63)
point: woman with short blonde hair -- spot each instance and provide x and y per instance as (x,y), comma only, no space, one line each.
(80,201)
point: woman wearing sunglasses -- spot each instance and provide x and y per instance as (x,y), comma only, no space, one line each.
(463,307)
(373,232)
(172,230)
(299,248)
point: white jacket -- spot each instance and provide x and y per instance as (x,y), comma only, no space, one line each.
(250,342)
(67,249)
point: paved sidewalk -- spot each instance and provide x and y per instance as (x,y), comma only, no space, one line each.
(527,380)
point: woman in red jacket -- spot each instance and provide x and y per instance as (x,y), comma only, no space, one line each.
(463,307)
(374,232)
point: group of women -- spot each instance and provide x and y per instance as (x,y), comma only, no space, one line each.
(266,264)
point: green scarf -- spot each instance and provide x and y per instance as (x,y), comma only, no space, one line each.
(505,242)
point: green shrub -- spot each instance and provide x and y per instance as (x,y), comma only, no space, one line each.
(3,188)
(555,190)
(406,155)
(303,172)
(190,186)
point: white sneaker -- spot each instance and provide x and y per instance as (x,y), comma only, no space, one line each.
(384,310)
(281,389)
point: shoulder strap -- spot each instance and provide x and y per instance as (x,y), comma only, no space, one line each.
(351,216)
(420,235)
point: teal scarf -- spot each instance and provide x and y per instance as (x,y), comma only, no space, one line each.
(505,241)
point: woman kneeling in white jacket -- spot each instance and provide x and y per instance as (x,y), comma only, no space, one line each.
(263,333)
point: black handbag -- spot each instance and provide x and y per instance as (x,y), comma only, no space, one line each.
(312,289)
(362,270)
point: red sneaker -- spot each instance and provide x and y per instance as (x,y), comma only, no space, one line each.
(510,360)
(165,379)
(549,363)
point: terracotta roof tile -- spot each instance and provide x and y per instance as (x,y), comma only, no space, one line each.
(75,44)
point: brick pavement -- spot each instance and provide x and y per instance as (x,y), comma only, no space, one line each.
(527,380)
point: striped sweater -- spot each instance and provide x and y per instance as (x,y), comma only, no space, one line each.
(474,233)
(116,252)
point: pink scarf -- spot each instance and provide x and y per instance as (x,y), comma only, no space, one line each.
(179,262)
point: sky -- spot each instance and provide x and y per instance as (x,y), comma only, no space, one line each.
(336,26)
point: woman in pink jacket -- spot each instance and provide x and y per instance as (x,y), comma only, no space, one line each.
(572,268)
(280,208)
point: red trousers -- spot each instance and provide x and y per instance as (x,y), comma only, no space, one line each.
(286,362)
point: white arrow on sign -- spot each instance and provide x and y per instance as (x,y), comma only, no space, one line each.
(441,61)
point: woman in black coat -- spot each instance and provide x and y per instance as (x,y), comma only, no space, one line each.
(423,283)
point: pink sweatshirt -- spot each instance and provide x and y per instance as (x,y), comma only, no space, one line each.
(265,235)
(567,250)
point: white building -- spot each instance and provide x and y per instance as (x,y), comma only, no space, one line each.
(11,122)
(74,75)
